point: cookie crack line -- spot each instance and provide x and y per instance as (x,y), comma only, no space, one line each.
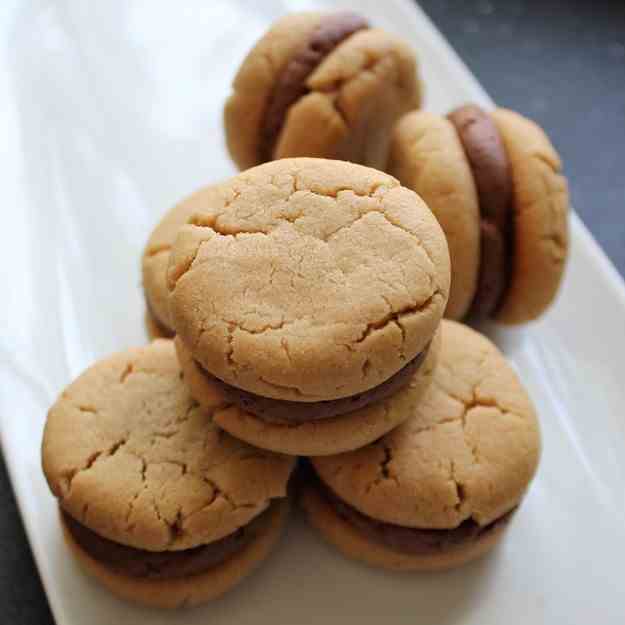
(131,503)
(211,222)
(177,527)
(384,470)
(395,317)
(384,465)
(97,456)
(461,494)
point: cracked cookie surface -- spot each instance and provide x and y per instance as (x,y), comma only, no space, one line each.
(130,455)
(468,452)
(313,280)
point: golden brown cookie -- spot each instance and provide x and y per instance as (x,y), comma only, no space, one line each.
(438,490)
(426,155)
(320,84)
(315,437)
(317,280)
(156,258)
(540,231)
(134,461)
(493,181)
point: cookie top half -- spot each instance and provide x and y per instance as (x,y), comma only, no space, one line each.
(131,456)
(469,451)
(311,279)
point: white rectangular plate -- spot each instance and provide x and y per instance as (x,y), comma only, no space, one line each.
(110,112)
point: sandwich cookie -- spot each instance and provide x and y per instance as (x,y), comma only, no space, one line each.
(157,503)
(493,181)
(312,293)
(301,428)
(320,84)
(156,258)
(439,490)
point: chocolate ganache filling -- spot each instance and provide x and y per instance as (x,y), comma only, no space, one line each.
(134,562)
(291,84)
(410,540)
(489,164)
(280,410)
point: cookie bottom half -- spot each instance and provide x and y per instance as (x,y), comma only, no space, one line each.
(189,590)
(288,412)
(354,544)
(309,438)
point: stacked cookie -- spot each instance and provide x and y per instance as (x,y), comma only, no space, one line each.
(306,298)
(307,293)
(156,502)
(439,490)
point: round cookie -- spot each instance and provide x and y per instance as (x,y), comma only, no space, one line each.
(134,460)
(540,232)
(493,180)
(426,155)
(156,258)
(318,280)
(318,437)
(320,84)
(438,490)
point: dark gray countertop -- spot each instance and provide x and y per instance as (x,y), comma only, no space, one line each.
(561,62)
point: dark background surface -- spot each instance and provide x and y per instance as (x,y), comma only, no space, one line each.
(561,63)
